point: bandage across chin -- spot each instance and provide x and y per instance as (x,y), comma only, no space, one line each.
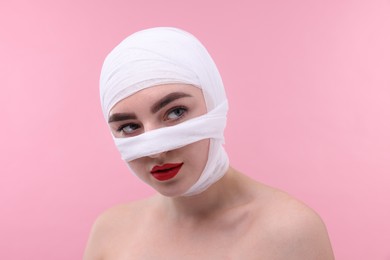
(161,56)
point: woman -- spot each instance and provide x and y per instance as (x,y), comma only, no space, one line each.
(165,104)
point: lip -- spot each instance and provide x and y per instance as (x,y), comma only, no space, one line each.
(166,171)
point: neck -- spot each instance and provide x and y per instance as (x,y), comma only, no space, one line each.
(220,196)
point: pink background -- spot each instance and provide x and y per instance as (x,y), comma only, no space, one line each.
(309,89)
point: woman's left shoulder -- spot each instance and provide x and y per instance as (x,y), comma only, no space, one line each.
(296,229)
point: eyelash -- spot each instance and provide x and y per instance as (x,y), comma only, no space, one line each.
(165,118)
(181,108)
(120,128)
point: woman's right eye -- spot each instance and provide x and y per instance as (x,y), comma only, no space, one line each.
(128,129)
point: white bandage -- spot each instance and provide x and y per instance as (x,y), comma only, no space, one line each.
(160,56)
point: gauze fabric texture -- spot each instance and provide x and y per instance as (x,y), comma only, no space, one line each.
(166,55)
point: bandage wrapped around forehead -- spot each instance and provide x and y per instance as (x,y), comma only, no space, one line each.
(161,56)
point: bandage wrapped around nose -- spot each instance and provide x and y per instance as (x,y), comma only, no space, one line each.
(159,56)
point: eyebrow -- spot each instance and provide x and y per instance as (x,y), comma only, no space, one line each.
(166,100)
(121,117)
(154,109)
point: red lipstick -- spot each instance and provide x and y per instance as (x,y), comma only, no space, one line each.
(166,171)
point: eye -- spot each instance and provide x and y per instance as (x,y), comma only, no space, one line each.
(176,113)
(128,128)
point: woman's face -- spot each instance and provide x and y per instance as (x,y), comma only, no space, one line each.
(173,172)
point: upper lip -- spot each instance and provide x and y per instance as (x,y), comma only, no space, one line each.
(164,167)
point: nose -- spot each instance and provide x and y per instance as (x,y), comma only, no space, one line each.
(149,126)
(156,155)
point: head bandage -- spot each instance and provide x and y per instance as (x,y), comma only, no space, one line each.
(160,56)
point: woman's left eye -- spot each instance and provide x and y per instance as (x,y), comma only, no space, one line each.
(176,113)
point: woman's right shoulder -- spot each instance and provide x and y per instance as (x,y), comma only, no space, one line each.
(120,214)
(112,225)
(124,215)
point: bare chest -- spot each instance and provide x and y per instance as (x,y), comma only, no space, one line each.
(171,247)
(229,240)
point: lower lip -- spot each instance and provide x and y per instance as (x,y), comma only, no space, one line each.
(167,174)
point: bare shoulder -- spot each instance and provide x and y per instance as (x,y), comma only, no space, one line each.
(293,230)
(113,225)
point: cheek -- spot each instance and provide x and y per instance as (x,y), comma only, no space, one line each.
(137,166)
(199,153)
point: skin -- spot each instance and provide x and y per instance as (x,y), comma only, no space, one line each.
(235,218)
